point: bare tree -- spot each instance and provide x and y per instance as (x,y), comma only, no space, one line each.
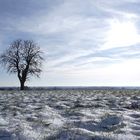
(24,58)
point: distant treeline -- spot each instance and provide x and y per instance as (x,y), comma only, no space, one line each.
(72,88)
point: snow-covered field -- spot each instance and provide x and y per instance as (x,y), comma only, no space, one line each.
(70,115)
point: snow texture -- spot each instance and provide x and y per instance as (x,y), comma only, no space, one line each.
(70,115)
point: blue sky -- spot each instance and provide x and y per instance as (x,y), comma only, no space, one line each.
(85,42)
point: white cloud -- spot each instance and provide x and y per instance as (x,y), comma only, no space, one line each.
(126,73)
(81,39)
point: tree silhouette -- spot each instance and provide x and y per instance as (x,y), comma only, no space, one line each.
(24,58)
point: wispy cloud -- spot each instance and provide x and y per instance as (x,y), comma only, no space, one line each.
(76,36)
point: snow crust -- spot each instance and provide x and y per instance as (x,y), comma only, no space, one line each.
(70,114)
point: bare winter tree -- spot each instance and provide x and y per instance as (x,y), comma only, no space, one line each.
(24,58)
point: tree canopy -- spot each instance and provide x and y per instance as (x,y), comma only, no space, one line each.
(24,58)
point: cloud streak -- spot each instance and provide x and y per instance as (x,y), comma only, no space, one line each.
(90,35)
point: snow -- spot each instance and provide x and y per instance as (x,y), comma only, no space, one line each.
(70,114)
(3,122)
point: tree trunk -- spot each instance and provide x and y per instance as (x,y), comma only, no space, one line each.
(22,87)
